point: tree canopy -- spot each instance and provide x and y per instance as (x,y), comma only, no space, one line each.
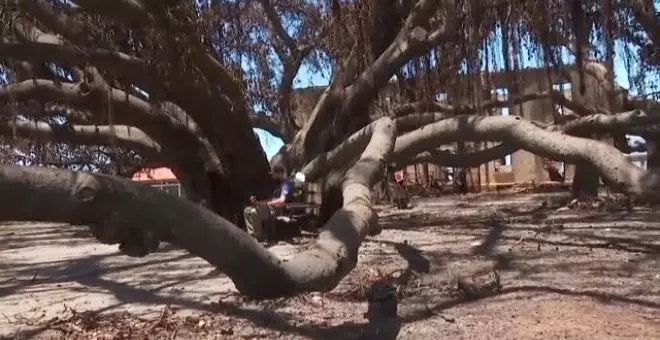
(183,83)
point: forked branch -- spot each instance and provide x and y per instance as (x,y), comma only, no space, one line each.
(126,136)
(137,216)
(612,165)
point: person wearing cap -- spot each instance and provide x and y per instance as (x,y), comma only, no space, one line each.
(260,212)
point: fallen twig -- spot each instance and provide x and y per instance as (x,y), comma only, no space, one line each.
(163,316)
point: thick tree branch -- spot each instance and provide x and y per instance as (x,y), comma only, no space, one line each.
(342,99)
(415,121)
(121,63)
(291,68)
(448,158)
(606,123)
(630,121)
(132,11)
(596,123)
(345,152)
(79,95)
(130,110)
(612,164)
(339,156)
(138,216)
(276,23)
(121,135)
(267,123)
(410,41)
(55,19)
(601,123)
(576,105)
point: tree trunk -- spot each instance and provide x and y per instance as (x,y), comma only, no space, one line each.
(223,194)
(331,202)
(460,174)
(226,197)
(425,173)
(585,182)
(244,165)
(653,152)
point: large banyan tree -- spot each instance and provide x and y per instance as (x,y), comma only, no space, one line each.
(182,84)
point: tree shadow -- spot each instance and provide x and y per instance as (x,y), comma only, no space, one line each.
(17,237)
(414,258)
(494,234)
(61,271)
(430,311)
(535,210)
(492,237)
(587,240)
(385,329)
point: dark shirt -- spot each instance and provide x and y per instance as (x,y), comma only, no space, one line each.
(284,188)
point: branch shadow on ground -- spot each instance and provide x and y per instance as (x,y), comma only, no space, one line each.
(284,323)
(431,311)
(493,233)
(15,237)
(25,275)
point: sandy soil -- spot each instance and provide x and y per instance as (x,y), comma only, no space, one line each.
(576,274)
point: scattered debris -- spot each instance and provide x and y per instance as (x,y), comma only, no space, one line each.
(129,326)
(430,295)
(551,226)
(479,286)
(612,203)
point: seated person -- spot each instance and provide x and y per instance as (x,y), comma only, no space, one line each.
(399,177)
(553,171)
(260,212)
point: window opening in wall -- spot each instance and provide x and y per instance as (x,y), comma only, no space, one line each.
(506,161)
(564,88)
(639,155)
(502,94)
(172,189)
(448,175)
(561,110)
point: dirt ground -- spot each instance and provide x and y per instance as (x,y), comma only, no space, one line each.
(565,274)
